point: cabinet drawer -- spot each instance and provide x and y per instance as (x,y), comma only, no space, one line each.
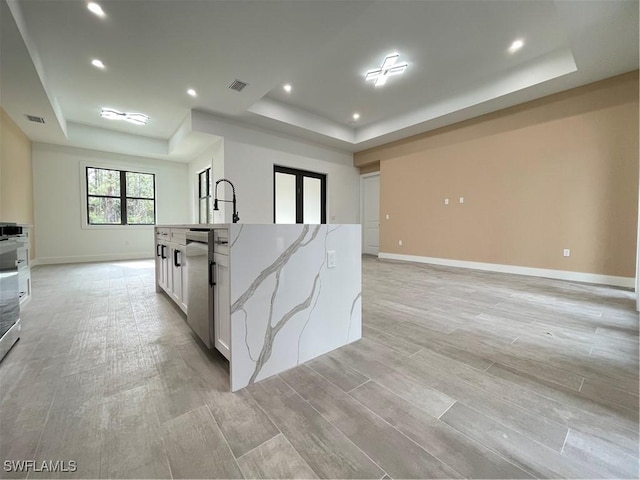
(24,284)
(23,238)
(163,232)
(179,236)
(23,259)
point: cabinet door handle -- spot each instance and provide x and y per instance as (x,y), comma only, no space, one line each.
(158,250)
(21,294)
(175,258)
(163,255)
(212,282)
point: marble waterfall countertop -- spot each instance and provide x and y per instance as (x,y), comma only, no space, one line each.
(295,294)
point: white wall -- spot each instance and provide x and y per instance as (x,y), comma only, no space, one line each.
(213,157)
(251,153)
(58,199)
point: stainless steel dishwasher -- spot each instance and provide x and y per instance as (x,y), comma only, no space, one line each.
(200,277)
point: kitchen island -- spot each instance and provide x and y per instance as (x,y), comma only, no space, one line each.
(280,294)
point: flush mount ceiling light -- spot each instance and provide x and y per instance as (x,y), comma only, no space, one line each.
(135,118)
(95,9)
(97,63)
(389,67)
(192,92)
(287,88)
(356,116)
(516,45)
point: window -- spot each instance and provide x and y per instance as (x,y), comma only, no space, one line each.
(205,206)
(299,196)
(118,197)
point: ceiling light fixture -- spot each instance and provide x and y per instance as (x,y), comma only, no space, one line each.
(135,118)
(192,92)
(97,63)
(356,116)
(389,67)
(96,9)
(516,45)
(287,88)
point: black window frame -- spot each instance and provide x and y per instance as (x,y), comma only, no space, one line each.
(300,174)
(207,195)
(122,197)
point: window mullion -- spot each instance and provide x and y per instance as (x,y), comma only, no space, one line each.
(123,197)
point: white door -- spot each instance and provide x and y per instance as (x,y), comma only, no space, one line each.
(371,214)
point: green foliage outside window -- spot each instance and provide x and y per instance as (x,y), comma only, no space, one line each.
(117,197)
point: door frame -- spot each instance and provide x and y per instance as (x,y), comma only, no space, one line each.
(363,176)
(300,174)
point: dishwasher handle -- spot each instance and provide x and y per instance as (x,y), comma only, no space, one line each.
(212,266)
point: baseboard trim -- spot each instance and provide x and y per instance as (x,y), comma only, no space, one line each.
(627,282)
(109,257)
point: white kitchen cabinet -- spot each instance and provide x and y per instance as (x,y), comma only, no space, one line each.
(24,265)
(172,278)
(171,270)
(222,304)
(162,265)
(178,283)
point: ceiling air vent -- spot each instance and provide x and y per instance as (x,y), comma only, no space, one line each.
(237,85)
(33,118)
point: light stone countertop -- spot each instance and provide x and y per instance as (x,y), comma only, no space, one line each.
(194,225)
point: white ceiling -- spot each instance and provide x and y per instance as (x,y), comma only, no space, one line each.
(459,66)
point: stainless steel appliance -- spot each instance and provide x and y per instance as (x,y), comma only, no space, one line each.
(200,278)
(9,286)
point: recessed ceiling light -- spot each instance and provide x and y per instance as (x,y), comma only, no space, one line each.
(97,63)
(135,118)
(95,9)
(356,116)
(287,88)
(192,92)
(389,67)
(516,45)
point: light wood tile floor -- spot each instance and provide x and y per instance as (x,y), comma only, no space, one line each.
(459,374)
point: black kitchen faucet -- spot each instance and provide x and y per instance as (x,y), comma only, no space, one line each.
(235,217)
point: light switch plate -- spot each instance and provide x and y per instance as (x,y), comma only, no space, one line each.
(566,252)
(461,199)
(331,259)
(446,201)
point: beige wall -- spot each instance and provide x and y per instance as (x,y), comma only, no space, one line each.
(16,174)
(559,172)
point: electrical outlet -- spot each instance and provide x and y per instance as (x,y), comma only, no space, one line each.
(446,201)
(387,216)
(566,252)
(461,199)
(331,259)
(400,242)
